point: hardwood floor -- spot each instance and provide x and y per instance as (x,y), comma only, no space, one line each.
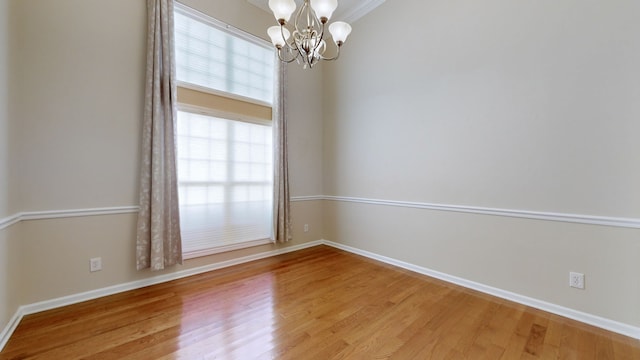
(318,303)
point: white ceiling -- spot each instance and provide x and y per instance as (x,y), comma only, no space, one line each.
(348,10)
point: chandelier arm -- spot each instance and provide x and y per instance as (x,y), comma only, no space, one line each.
(286,43)
(331,58)
(319,42)
(295,46)
(310,34)
(305,58)
(298,15)
(316,23)
(298,39)
(280,50)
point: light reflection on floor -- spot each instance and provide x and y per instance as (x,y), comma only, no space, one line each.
(229,322)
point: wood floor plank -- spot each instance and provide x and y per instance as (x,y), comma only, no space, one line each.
(317,303)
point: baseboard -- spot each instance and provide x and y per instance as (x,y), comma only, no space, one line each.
(8,330)
(111,290)
(607,324)
(611,325)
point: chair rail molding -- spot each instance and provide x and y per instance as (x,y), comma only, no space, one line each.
(56,214)
(526,214)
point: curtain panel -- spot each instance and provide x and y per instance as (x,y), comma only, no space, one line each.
(281,200)
(158,239)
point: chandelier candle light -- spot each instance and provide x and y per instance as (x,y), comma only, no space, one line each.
(307,43)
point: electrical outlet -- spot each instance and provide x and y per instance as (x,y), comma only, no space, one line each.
(576,280)
(95,264)
(306,227)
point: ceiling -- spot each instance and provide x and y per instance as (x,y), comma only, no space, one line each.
(348,10)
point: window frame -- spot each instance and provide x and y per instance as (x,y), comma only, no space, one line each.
(233,31)
(184,88)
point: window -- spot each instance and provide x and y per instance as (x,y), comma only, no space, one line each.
(211,55)
(225,152)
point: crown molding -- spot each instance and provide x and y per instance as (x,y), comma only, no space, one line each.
(360,9)
(348,10)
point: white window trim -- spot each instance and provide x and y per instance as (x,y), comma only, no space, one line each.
(225,248)
(222,114)
(199,16)
(229,95)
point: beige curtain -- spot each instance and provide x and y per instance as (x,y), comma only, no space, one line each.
(158,238)
(281,207)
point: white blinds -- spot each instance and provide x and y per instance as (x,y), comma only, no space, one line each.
(224,135)
(225,181)
(210,57)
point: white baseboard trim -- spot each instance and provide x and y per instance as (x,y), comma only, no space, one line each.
(611,325)
(98,293)
(8,330)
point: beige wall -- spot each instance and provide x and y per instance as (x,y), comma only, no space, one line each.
(528,104)
(518,105)
(57,264)
(78,104)
(89,94)
(9,264)
(10,273)
(527,257)
(78,100)
(305,113)
(524,105)
(4,108)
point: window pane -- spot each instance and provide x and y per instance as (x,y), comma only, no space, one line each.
(225,181)
(210,57)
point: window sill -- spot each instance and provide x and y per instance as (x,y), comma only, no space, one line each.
(225,248)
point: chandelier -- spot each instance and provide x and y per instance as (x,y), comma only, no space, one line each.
(305,42)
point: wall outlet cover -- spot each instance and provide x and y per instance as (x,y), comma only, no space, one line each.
(95,264)
(576,280)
